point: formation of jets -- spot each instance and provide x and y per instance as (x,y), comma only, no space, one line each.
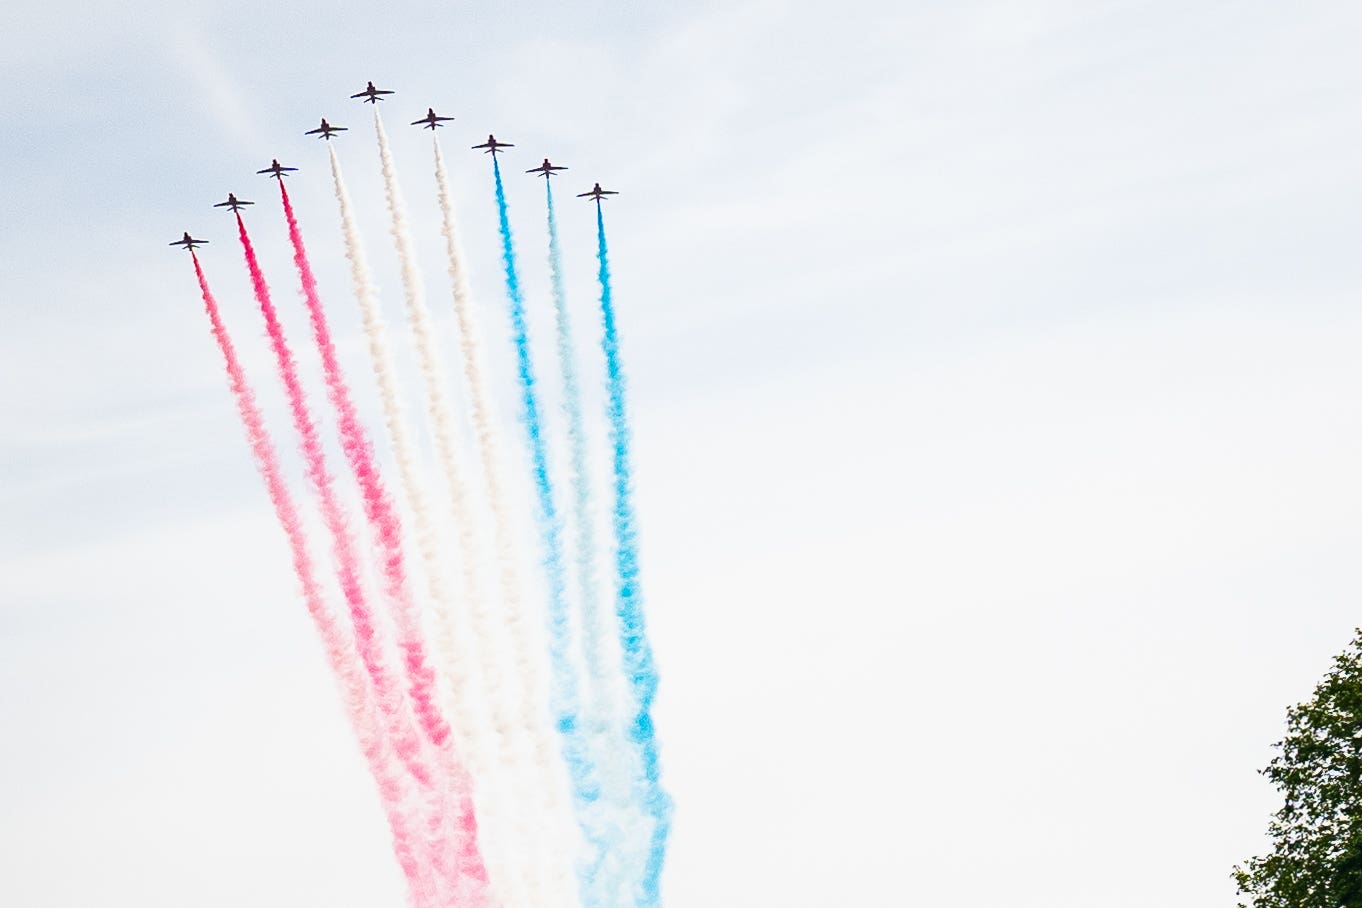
(372,95)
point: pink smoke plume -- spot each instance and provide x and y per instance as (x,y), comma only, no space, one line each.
(387,529)
(355,690)
(392,702)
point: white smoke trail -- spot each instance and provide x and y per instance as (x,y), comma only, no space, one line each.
(532,816)
(537,737)
(524,641)
(475,739)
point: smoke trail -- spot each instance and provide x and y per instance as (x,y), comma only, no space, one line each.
(581,480)
(518,623)
(439,410)
(387,530)
(477,741)
(391,701)
(564,699)
(354,688)
(637,651)
(603,737)
(475,613)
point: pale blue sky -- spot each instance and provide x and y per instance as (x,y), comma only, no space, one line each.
(995,371)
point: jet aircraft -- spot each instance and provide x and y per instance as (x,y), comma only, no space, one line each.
(189,242)
(277,171)
(430,121)
(326,130)
(371,94)
(233,202)
(597,193)
(493,146)
(546,169)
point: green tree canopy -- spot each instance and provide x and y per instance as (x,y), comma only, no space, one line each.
(1316,858)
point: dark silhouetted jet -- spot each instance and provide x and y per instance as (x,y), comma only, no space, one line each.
(189,242)
(596,193)
(371,94)
(326,130)
(277,171)
(493,146)
(546,169)
(233,202)
(430,121)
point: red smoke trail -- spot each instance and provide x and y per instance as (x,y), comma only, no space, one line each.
(387,528)
(355,691)
(391,700)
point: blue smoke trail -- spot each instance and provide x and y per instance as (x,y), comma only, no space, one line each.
(637,652)
(581,479)
(599,730)
(564,697)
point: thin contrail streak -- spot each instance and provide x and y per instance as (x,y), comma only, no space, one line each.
(475,613)
(359,705)
(564,695)
(639,669)
(391,698)
(470,876)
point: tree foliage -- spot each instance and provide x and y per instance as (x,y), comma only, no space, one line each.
(1316,858)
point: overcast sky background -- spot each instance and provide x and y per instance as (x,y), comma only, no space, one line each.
(995,376)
